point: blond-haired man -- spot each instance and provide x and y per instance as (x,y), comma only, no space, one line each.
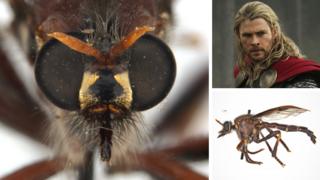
(267,57)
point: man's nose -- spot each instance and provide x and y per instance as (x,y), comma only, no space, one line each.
(255,41)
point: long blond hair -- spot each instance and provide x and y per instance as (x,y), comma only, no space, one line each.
(282,47)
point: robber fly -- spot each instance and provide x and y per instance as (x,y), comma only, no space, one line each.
(101,62)
(249,127)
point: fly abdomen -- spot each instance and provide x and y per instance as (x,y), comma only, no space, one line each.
(291,128)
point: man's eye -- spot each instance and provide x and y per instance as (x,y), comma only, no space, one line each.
(246,35)
(261,33)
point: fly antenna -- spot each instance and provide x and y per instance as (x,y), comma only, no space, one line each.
(219,122)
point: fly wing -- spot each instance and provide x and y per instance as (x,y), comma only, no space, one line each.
(280,112)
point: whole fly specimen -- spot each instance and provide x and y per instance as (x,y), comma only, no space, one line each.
(249,127)
(101,62)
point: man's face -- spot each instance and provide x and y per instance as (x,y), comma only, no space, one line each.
(256,38)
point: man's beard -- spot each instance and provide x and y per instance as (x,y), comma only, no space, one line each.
(261,56)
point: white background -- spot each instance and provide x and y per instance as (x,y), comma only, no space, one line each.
(302,162)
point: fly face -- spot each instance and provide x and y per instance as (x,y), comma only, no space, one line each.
(226,128)
(104,90)
(105,81)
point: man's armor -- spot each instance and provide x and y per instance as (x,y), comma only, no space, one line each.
(290,73)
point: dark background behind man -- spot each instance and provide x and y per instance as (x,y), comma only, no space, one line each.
(299,20)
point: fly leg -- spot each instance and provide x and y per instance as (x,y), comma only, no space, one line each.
(274,152)
(86,170)
(269,147)
(277,135)
(249,160)
(251,152)
(242,146)
(281,141)
(255,152)
(270,135)
(239,148)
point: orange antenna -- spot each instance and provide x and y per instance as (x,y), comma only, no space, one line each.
(115,51)
(77,45)
(126,42)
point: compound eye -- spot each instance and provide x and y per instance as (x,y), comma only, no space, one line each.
(59,71)
(152,71)
(227,125)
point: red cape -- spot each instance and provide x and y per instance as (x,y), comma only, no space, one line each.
(289,68)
